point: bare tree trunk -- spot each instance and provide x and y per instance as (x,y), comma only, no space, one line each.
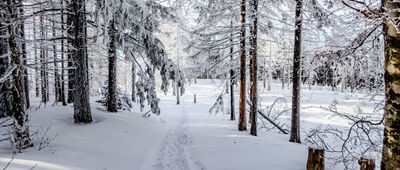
(253,76)
(295,128)
(37,86)
(82,111)
(21,135)
(242,105)
(391,141)
(62,95)
(43,65)
(25,59)
(70,64)
(112,70)
(57,83)
(232,79)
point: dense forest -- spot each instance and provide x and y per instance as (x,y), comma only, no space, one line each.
(316,79)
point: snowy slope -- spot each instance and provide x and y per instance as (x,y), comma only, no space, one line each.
(184,137)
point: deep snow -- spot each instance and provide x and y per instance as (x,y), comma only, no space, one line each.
(183,137)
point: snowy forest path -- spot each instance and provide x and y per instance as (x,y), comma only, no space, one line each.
(176,151)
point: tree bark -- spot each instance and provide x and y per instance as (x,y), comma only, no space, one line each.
(82,111)
(366,164)
(37,86)
(295,124)
(112,70)
(43,63)
(315,159)
(57,79)
(242,104)
(232,79)
(62,95)
(25,59)
(70,64)
(391,141)
(253,90)
(21,136)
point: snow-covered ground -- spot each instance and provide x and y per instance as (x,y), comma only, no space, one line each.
(184,136)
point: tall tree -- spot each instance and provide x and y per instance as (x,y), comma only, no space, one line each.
(391,31)
(71,72)
(253,76)
(295,123)
(21,129)
(232,76)
(112,68)
(242,103)
(62,95)
(82,112)
(24,56)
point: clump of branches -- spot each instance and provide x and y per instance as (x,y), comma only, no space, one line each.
(42,136)
(362,138)
(218,105)
(274,111)
(123,101)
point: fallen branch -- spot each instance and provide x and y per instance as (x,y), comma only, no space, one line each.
(269,120)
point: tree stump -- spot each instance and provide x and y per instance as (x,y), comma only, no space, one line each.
(366,164)
(315,159)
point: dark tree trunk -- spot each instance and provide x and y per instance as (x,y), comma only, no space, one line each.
(232,78)
(242,103)
(253,76)
(391,140)
(295,128)
(112,70)
(70,64)
(5,86)
(21,136)
(25,60)
(43,64)
(57,79)
(82,111)
(62,94)
(37,86)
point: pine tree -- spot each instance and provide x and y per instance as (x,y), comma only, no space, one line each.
(82,112)
(112,68)
(295,126)
(254,70)
(242,103)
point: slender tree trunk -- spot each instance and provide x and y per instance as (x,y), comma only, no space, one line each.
(112,70)
(43,65)
(57,85)
(253,90)
(62,95)
(391,141)
(242,105)
(37,85)
(232,79)
(25,60)
(133,82)
(177,63)
(70,64)
(82,111)
(295,128)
